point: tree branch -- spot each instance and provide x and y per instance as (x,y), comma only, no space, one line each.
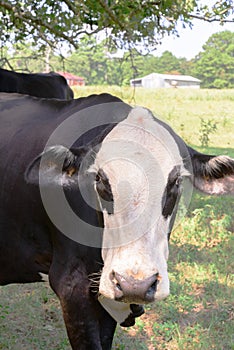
(211,19)
(111,14)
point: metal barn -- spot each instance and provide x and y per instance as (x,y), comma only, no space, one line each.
(156,80)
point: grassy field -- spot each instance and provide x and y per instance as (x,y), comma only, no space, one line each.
(199,313)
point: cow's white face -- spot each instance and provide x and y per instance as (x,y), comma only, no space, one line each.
(136,158)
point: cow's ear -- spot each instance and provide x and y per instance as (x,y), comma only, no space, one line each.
(57,165)
(212,174)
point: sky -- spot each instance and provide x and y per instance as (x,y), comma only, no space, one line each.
(190,42)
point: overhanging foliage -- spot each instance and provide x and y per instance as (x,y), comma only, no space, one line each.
(127,21)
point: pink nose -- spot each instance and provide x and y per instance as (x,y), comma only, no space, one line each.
(132,290)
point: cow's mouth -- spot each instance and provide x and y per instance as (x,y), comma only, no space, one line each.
(130,290)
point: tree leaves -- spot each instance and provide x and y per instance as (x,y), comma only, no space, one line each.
(127,22)
(215,64)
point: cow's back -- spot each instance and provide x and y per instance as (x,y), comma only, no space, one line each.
(8,81)
(45,85)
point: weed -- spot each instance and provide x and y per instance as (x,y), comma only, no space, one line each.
(206,128)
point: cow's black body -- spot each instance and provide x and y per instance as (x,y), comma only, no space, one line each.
(47,85)
(30,243)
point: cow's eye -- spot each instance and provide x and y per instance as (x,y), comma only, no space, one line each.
(98,178)
(104,191)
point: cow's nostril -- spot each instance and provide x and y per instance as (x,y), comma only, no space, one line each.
(118,286)
(153,287)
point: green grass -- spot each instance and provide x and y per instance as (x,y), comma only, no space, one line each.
(182,109)
(199,313)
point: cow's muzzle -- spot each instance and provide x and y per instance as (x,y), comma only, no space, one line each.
(129,289)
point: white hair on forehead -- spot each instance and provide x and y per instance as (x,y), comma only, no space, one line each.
(139,132)
(140,114)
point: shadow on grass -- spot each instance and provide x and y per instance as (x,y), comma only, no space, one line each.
(219,256)
(199,309)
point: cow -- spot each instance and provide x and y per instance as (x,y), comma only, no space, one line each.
(89,189)
(47,85)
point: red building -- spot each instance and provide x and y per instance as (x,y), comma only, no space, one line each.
(73,80)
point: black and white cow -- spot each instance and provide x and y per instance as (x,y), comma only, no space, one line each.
(48,85)
(89,189)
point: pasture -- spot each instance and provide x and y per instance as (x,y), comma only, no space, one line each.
(199,313)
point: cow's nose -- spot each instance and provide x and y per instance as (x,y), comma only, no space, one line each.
(130,289)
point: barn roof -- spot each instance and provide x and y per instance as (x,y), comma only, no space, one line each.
(70,76)
(169,77)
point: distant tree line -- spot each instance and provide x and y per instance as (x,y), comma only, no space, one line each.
(214,65)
